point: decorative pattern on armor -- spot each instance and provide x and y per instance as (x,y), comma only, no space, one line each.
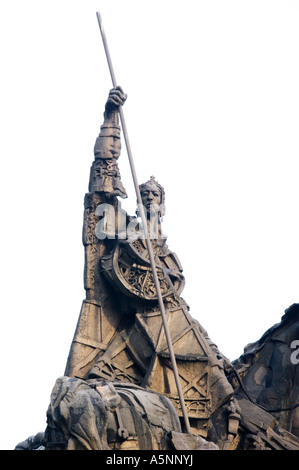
(90,240)
(129,270)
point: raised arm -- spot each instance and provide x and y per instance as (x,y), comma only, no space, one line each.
(105,176)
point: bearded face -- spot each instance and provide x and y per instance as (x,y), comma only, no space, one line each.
(151,198)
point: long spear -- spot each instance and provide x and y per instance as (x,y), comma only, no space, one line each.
(148,242)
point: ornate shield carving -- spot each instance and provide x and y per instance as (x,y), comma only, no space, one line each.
(129,270)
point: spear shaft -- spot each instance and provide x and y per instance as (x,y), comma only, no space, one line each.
(147,238)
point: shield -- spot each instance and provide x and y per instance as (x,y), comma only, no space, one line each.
(129,270)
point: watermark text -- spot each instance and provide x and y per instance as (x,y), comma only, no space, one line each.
(295,353)
(115,223)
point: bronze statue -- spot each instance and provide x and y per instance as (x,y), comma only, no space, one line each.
(118,391)
(136,350)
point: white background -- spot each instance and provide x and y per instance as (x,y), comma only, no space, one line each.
(212,113)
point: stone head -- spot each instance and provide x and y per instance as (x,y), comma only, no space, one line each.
(153,196)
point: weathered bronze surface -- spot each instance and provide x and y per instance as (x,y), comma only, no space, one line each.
(118,390)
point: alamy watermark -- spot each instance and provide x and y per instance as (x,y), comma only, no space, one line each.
(115,223)
(295,353)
